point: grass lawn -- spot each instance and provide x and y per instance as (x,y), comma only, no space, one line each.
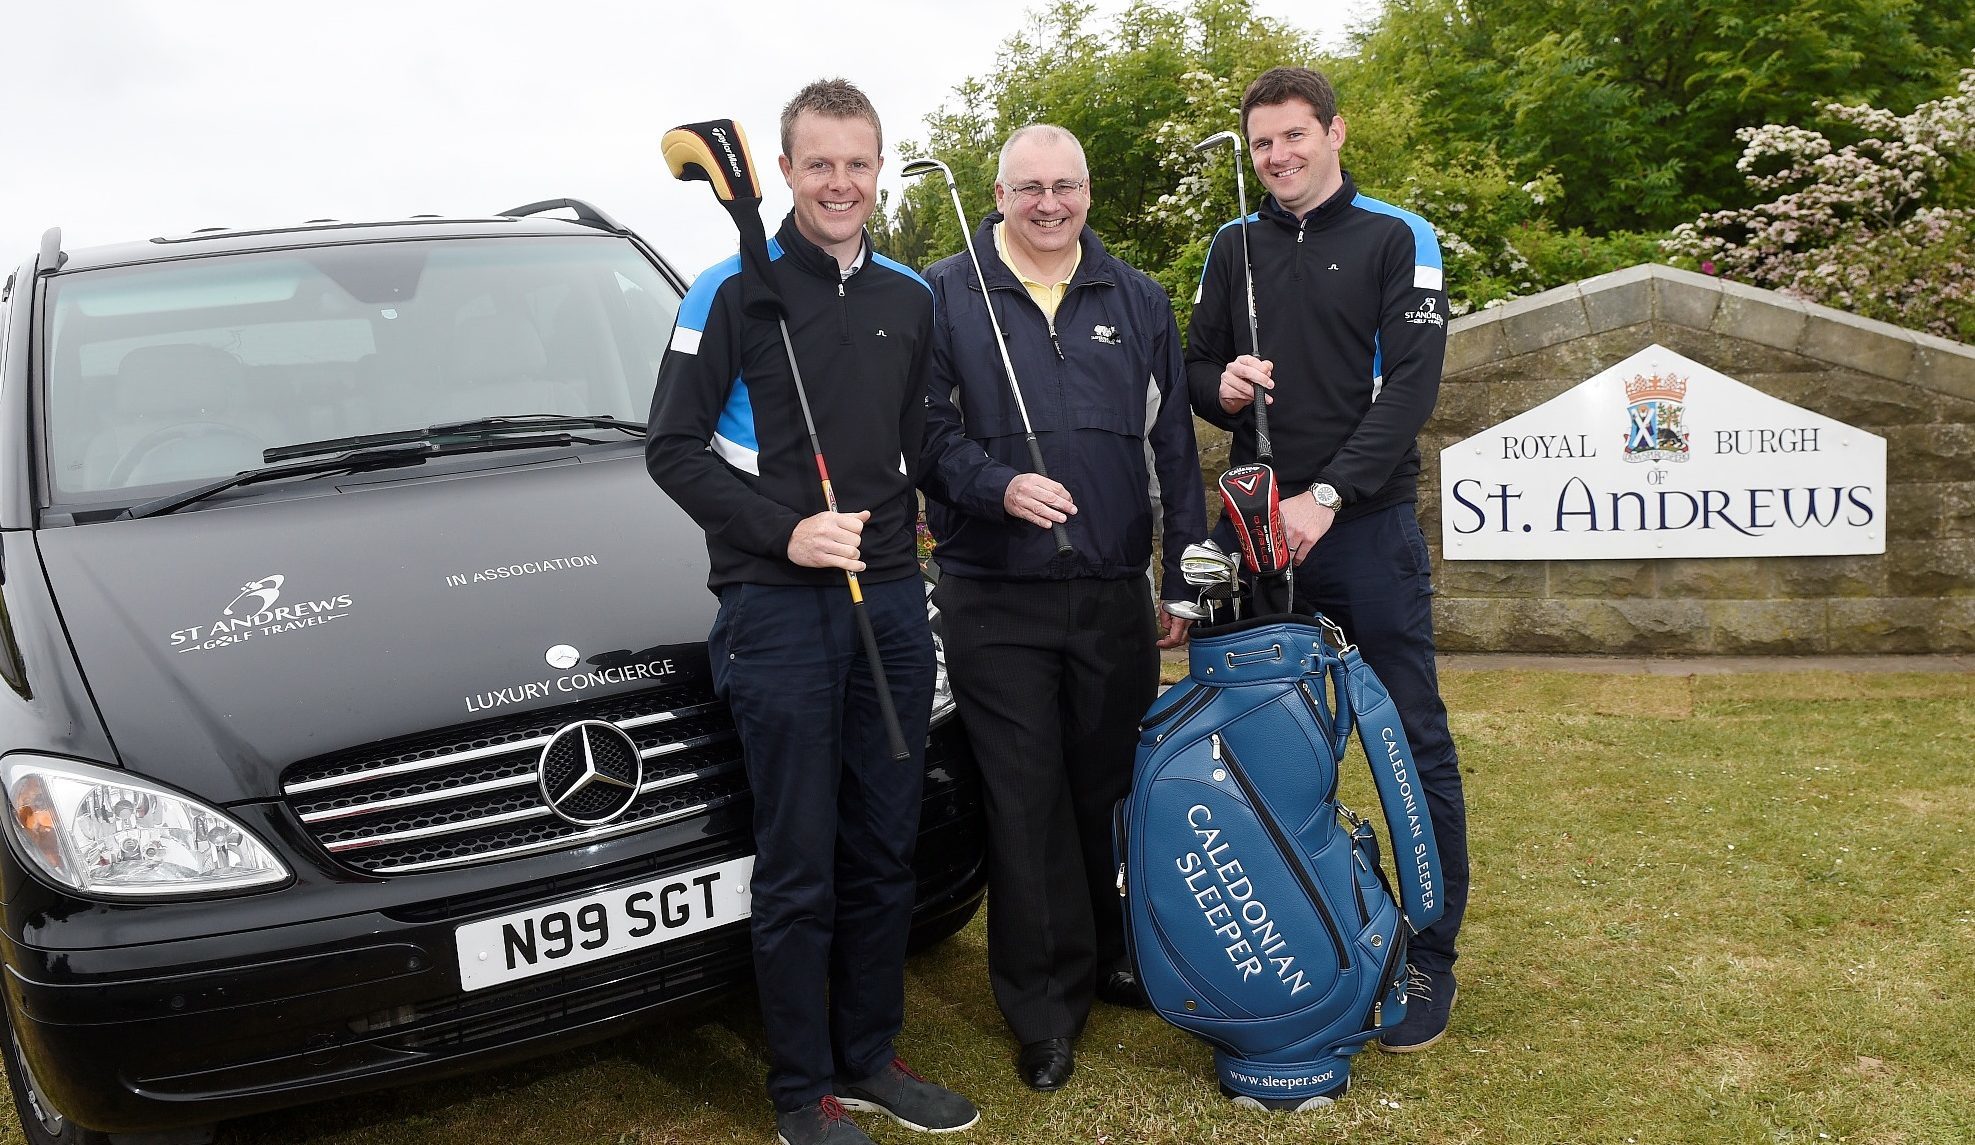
(1706,909)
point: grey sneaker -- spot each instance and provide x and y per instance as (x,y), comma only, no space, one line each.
(910,1100)
(820,1124)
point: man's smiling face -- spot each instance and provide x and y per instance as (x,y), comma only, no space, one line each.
(832,169)
(1295,156)
(1042,225)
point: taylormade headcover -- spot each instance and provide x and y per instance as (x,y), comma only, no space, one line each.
(716,152)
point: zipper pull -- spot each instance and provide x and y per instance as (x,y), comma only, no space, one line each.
(1215,739)
(1054,341)
(1299,239)
(1299,229)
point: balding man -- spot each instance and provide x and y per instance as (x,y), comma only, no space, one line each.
(1054,658)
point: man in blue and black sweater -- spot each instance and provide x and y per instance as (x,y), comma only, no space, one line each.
(835,818)
(1352,314)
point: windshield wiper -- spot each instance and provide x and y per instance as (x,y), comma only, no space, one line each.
(480,427)
(381,456)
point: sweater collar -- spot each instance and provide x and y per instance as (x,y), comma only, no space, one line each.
(1320,215)
(800,252)
(1092,259)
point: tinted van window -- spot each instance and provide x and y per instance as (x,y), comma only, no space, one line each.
(186,371)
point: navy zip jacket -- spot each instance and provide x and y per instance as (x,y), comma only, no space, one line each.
(1086,381)
(1350,307)
(727,438)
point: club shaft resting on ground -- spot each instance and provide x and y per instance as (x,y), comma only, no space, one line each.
(925,167)
(716,151)
(1264,451)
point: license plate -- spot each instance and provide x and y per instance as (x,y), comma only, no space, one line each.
(580,930)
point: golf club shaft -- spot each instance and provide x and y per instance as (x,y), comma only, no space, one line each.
(886,709)
(1264,451)
(1057,529)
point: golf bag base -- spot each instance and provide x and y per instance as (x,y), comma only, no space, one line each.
(1257,913)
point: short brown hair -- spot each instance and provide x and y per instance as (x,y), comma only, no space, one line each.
(1280,85)
(836,98)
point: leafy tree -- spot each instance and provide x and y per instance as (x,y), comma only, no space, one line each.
(1882,226)
(1629,102)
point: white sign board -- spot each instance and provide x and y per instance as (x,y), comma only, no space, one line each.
(1660,456)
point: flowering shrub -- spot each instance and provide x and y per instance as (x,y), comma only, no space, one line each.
(1854,226)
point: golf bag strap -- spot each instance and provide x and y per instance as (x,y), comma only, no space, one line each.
(1415,851)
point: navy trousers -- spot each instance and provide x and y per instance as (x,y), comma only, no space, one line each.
(1372,575)
(835,817)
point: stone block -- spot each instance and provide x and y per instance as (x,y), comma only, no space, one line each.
(1866,401)
(1801,578)
(1731,356)
(1943,366)
(1544,320)
(1916,511)
(1884,625)
(1957,508)
(1931,568)
(1714,578)
(1684,298)
(1477,624)
(1858,343)
(1509,398)
(1760,316)
(1474,340)
(1929,452)
(1766,627)
(1622,298)
(1601,580)
(1520,579)
(1461,410)
(1954,629)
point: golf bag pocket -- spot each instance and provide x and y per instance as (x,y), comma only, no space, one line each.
(1257,915)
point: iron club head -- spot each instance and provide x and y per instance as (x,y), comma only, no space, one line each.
(1217,139)
(917,167)
(1188,611)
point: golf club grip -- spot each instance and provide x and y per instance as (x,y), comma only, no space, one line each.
(1264,452)
(886,709)
(1057,529)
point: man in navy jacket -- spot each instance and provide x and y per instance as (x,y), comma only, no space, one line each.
(1053,658)
(1352,319)
(835,818)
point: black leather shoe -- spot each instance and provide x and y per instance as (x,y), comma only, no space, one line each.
(1047,1064)
(1121,988)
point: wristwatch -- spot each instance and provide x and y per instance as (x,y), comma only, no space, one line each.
(1326,496)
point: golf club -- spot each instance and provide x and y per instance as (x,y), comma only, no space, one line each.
(919,167)
(1185,611)
(1264,452)
(716,151)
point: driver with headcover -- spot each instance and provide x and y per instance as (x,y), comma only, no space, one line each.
(805,346)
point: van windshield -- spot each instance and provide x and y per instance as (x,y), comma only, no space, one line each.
(169,373)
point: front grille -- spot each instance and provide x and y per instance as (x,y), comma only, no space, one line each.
(471,794)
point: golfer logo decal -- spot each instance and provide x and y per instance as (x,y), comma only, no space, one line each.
(1656,418)
(263,592)
(260,611)
(590,772)
(1105,334)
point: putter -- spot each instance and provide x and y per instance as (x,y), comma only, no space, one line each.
(716,151)
(912,170)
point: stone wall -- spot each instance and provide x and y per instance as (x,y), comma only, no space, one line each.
(1915,390)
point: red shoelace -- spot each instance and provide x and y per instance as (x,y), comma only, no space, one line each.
(831,1108)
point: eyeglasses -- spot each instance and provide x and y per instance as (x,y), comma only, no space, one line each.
(1063,188)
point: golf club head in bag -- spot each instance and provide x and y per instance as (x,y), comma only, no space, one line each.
(1252,503)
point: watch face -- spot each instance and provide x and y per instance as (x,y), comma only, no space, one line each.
(1326,496)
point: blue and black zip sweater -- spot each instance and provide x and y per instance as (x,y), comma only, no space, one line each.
(1088,380)
(727,439)
(1351,308)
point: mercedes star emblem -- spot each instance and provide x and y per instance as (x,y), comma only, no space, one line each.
(590,772)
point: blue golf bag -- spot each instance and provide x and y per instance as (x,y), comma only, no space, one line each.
(1256,911)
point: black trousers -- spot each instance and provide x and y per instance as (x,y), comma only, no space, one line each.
(1051,679)
(836,818)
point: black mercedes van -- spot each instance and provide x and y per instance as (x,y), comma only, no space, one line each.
(356,724)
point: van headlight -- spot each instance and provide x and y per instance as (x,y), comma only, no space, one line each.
(942,687)
(105,832)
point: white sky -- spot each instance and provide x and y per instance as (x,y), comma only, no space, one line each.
(128,119)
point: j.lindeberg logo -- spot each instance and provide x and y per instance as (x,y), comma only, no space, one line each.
(590,772)
(257,614)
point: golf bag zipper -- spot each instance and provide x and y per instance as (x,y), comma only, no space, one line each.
(1226,755)
(1181,710)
